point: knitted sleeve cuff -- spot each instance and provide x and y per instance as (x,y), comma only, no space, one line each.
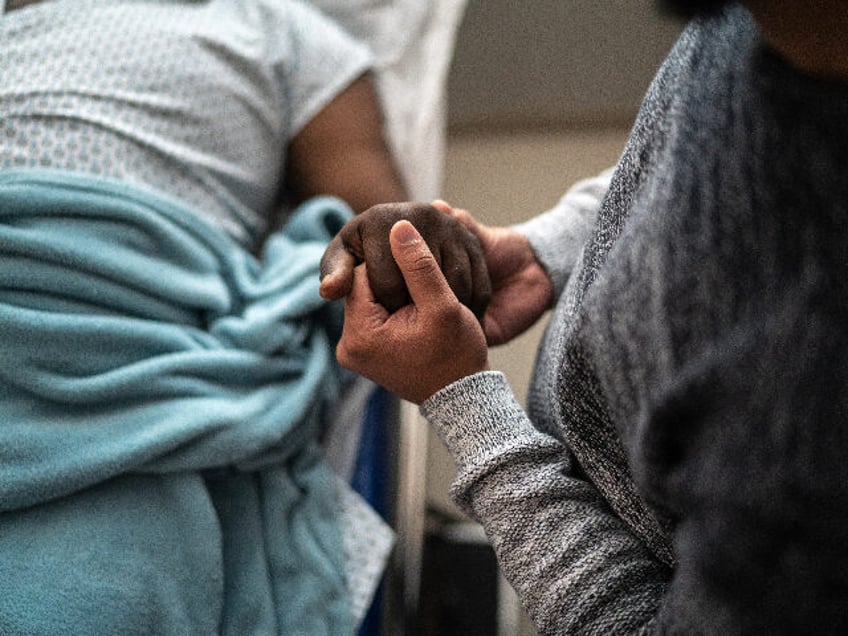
(478,417)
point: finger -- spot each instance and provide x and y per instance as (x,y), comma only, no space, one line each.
(336,270)
(481,283)
(360,290)
(456,267)
(424,279)
(464,217)
(443,206)
(362,315)
(384,275)
(494,332)
(458,214)
(362,311)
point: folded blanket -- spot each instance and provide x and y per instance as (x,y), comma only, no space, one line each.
(161,394)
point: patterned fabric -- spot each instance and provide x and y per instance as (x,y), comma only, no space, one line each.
(197,100)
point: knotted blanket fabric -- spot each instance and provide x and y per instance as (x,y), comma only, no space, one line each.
(162,392)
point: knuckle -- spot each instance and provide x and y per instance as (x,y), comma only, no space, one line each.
(343,356)
(450,313)
(421,261)
(460,284)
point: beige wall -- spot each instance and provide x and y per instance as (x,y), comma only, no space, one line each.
(555,62)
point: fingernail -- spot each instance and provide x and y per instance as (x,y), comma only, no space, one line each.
(406,233)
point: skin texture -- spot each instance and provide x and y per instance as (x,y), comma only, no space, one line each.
(521,289)
(364,239)
(343,151)
(435,340)
(17,4)
(516,292)
(423,346)
(430,341)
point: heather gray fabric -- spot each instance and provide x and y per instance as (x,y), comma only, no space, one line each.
(681,466)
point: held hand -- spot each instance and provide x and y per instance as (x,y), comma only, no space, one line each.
(366,239)
(423,346)
(521,289)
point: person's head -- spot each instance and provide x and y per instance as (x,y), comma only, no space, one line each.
(690,8)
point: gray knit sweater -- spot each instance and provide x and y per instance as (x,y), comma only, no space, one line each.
(682,467)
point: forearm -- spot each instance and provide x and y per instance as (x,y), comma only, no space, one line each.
(17,4)
(573,562)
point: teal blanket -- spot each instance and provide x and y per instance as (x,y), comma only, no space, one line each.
(161,396)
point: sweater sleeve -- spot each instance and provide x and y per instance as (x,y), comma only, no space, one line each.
(573,562)
(557,236)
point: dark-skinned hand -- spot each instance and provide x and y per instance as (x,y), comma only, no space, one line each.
(521,288)
(423,346)
(365,239)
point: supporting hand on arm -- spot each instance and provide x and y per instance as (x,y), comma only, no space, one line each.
(521,289)
(423,346)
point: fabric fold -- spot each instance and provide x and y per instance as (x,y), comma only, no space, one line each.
(138,340)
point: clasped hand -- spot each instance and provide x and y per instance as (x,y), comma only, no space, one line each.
(430,324)
(365,240)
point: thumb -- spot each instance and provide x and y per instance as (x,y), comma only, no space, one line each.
(424,278)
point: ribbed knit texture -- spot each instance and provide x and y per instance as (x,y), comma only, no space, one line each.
(687,474)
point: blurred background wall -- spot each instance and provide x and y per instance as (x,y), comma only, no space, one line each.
(541,94)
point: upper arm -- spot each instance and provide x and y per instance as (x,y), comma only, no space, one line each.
(343,151)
